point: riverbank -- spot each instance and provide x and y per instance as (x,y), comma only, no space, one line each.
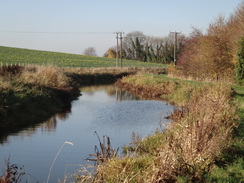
(32,94)
(202,144)
(193,148)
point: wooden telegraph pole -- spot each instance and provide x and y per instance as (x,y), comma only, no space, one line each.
(121,37)
(175,45)
(117,55)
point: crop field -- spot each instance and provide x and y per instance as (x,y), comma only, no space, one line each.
(9,55)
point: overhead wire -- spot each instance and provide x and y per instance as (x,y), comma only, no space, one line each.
(47,32)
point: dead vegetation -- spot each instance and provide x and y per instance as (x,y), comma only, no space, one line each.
(104,151)
(13,173)
(187,148)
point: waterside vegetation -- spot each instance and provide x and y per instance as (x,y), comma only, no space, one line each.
(42,91)
(204,141)
(195,147)
(199,145)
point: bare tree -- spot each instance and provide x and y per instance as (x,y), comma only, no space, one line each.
(90,51)
(134,45)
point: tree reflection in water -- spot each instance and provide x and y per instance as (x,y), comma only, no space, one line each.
(48,125)
(51,123)
(111,91)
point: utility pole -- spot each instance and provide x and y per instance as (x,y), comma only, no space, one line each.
(121,37)
(175,45)
(117,55)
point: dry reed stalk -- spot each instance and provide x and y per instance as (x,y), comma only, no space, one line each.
(196,139)
(56,156)
(13,173)
(104,152)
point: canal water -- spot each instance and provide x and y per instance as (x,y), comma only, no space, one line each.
(104,109)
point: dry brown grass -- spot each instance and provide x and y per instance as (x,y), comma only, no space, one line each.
(48,76)
(188,147)
(44,76)
(195,139)
(114,70)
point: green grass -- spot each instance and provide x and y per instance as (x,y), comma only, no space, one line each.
(25,56)
(230,166)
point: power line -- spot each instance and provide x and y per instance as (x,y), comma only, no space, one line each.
(46,32)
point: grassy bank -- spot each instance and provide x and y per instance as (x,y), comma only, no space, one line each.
(196,147)
(30,95)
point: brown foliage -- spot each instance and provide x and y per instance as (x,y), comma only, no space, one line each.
(111,53)
(212,56)
(198,136)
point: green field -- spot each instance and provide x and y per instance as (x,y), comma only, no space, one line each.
(10,55)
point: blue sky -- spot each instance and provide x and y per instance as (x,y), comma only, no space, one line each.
(72,25)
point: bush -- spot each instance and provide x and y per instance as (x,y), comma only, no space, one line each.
(239,70)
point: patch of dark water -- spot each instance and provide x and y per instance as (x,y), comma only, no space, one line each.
(104,109)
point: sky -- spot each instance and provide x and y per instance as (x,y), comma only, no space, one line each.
(71,26)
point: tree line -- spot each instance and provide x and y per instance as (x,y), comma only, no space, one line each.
(138,46)
(214,55)
(217,54)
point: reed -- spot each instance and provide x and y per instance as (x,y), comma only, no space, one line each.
(104,151)
(13,173)
(196,139)
(56,156)
(186,149)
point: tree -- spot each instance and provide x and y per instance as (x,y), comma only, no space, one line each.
(90,51)
(110,53)
(209,56)
(239,70)
(133,46)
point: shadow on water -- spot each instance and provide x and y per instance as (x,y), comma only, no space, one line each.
(105,109)
(27,130)
(49,124)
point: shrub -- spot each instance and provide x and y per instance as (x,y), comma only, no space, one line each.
(239,70)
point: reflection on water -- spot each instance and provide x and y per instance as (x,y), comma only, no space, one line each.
(105,109)
(48,125)
(111,91)
(51,124)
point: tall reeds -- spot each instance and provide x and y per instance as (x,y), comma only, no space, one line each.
(104,151)
(197,138)
(188,147)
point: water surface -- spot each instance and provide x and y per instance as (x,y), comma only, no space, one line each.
(104,109)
